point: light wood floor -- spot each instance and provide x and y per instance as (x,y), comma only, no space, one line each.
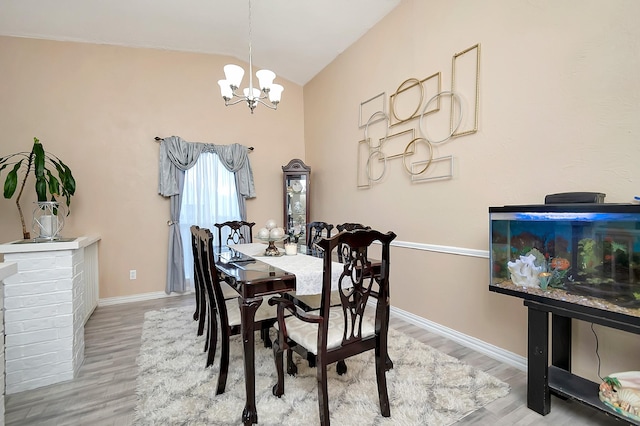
(104,391)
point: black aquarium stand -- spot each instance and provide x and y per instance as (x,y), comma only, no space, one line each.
(544,379)
(550,317)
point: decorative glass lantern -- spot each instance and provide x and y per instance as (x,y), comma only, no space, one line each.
(48,220)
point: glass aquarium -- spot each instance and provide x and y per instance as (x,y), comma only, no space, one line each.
(588,254)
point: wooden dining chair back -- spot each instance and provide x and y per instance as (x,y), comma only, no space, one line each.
(335,333)
(201,308)
(227,310)
(235,231)
(347,226)
(207,308)
(350,226)
(315,232)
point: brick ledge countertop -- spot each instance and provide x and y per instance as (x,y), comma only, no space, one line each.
(20,246)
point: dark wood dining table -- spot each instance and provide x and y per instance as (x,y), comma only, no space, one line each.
(252,279)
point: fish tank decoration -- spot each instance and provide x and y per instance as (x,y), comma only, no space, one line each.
(587,254)
(621,393)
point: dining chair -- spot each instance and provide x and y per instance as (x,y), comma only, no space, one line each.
(343,255)
(240,232)
(200,313)
(336,333)
(227,310)
(315,232)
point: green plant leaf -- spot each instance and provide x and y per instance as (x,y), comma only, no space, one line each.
(11,183)
(41,188)
(66,177)
(69,181)
(38,162)
(54,185)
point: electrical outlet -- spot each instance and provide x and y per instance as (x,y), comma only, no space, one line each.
(132,274)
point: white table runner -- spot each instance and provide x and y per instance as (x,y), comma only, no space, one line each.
(307,269)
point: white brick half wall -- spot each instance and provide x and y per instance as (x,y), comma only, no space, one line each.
(46,306)
(6,270)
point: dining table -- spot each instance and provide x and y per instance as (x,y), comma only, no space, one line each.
(253,274)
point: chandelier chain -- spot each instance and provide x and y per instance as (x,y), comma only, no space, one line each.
(250,55)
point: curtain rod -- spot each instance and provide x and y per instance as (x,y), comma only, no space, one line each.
(158,139)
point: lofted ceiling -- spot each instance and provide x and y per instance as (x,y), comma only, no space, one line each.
(294,38)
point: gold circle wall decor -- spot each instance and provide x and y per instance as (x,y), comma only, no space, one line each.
(404,156)
(401,89)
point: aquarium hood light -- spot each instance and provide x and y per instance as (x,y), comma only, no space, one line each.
(574,216)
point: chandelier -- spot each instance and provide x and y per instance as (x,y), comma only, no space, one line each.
(251,95)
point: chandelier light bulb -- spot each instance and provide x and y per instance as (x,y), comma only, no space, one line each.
(233,74)
(225,89)
(265,77)
(275,93)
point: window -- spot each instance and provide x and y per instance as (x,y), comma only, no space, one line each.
(209,196)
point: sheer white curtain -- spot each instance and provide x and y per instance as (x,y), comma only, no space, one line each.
(209,196)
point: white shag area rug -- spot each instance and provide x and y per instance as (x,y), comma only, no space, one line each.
(426,387)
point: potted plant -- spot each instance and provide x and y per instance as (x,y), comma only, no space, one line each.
(39,163)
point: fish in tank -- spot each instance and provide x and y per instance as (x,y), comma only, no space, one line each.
(587,254)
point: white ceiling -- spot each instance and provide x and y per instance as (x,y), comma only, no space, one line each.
(294,38)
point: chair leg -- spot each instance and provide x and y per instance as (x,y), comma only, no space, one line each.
(323,393)
(201,321)
(212,341)
(311,359)
(383,395)
(264,333)
(292,368)
(206,340)
(196,314)
(278,388)
(341,367)
(388,363)
(202,314)
(224,362)
(211,319)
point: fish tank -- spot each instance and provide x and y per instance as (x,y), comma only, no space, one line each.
(587,254)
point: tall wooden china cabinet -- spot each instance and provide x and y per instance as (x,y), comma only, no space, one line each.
(296,184)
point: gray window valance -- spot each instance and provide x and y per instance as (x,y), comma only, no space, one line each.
(178,154)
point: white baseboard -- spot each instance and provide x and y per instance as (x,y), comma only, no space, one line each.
(137,298)
(485,348)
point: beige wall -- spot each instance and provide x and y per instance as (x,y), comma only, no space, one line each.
(558,112)
(98,108)
(559,109)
